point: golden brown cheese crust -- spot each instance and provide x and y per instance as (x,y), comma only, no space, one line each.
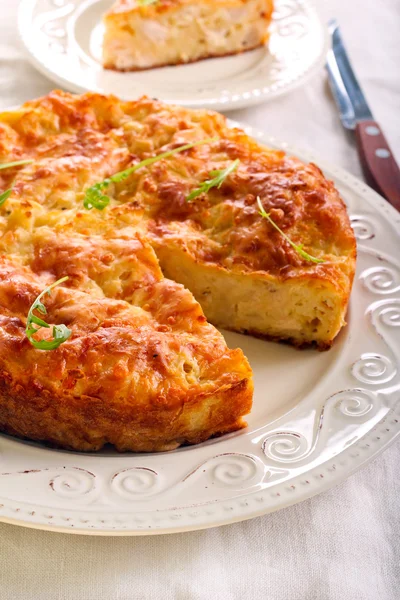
(123,6)
(146,375)
(79,140)
(143,370)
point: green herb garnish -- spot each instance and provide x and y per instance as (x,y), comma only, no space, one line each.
(297,247)
(146,2)
(94,197)
(15,163)
(218,178)
(5,195)
(60,332)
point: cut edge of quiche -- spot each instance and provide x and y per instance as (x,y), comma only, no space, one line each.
(143,370)
(170,32)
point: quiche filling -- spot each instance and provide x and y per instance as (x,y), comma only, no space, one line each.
(143,35)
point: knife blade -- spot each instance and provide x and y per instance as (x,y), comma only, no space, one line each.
(351,101)
(378,163)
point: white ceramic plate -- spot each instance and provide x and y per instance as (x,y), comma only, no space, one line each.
(63,39)
(317,418)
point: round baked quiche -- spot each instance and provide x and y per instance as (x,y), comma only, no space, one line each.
(124,227)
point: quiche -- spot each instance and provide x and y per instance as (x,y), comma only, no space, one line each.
(262,241)
(142,34)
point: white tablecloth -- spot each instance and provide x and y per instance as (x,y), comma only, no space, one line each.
(342,545)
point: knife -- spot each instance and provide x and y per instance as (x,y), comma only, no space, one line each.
(378,163)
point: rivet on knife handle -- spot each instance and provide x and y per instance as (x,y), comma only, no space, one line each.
(380,168)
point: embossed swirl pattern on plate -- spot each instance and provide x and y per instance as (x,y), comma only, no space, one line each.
(385,312)
(358,403)
(231,469)
(234,469)
(73,483)
(381,280)
(285,446)
(293,446)
(390,315)
(137,481)
(374,369)
(53,27)
(364,227)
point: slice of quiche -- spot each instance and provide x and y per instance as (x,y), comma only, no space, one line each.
(142,369)
(142,34)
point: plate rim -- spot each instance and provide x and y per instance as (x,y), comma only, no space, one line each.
(202,527)
(354,457)
(251,97)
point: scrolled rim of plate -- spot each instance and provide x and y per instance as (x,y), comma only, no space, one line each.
(348,416)
(63,42)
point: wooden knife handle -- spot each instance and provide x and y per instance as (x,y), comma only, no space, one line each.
(380,168)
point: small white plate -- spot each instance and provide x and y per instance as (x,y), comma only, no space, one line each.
(317,418)
(64,37)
